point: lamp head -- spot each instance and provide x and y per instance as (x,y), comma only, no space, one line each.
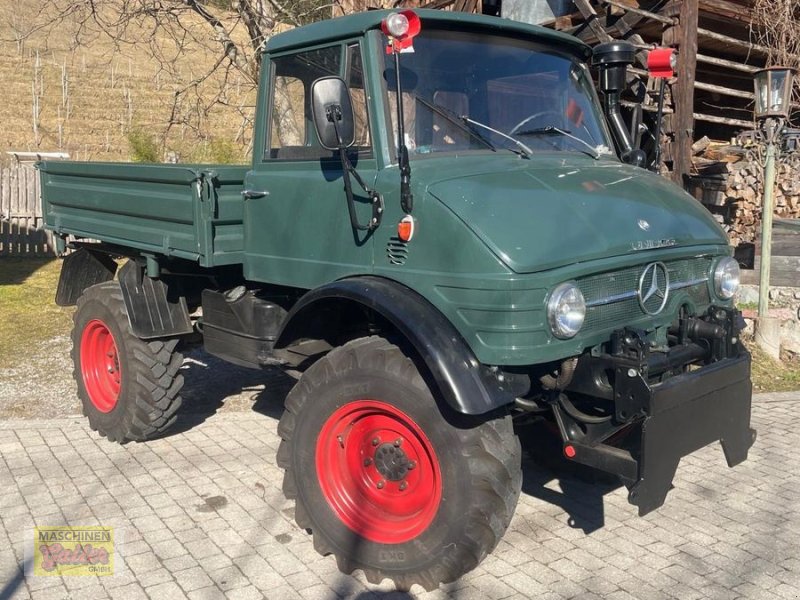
(773,87)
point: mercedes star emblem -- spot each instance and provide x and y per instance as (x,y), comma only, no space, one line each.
(654,288)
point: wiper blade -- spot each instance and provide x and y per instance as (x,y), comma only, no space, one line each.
(457,121)
(552,129)
(525,150)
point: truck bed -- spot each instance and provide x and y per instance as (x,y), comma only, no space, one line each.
(186,211)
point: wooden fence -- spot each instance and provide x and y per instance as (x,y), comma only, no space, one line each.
(21,232)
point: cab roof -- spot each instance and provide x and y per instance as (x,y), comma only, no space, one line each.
(359,23)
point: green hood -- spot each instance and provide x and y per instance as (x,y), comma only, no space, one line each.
(553,211)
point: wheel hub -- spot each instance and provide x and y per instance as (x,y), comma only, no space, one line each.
(391,462)
(100,365)
(378,471)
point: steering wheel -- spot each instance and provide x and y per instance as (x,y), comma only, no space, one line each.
(530,118)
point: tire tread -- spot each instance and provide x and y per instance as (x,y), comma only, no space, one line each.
(154,380)
(491,448)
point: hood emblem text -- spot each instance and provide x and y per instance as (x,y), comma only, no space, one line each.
(650,244)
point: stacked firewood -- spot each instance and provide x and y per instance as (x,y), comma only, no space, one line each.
(740,177)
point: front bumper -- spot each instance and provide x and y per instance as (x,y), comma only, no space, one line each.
(665,422)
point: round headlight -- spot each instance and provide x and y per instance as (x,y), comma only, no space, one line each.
(566,310)
(726,278)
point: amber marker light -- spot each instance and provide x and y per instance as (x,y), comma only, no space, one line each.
(405,228)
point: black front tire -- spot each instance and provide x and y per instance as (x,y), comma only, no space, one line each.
(337,429)
(129,388)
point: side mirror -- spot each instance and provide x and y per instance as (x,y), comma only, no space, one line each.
(332,111)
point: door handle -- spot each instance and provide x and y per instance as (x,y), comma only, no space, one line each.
(250,194)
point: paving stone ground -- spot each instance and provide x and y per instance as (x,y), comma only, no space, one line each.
(203,517)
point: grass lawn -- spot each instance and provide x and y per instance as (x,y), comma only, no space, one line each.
(29,315)
(28,312)
(772,376)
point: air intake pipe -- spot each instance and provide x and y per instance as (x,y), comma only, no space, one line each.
(612,60)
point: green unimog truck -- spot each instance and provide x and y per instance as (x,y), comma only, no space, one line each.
(441,232)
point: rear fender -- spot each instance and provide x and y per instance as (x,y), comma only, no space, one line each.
(468,386)
(80,270)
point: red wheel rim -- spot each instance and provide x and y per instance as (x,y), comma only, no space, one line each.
(100,366)
(378,471)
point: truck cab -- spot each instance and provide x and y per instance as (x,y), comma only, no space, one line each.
(438,237)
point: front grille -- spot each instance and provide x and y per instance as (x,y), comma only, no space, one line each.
(612,298)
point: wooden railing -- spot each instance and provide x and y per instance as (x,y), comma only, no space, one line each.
(21,221)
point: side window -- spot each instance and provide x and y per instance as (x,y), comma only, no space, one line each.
(293,135)
(355,83)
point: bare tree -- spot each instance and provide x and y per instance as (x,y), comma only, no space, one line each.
(776,24)
(234,32)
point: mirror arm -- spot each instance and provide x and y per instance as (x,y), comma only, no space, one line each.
(406,198)
(333,113)
(659,117)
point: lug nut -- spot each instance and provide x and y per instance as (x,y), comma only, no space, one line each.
(397,442)
(376,441)
(340,439)
(367,462)
(411,465)
(403,486)
(380,484)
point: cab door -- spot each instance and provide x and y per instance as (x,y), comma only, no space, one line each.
(297,227)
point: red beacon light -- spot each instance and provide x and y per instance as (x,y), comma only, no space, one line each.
(661,62)
(401,28)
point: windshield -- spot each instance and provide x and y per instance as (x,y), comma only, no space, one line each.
(458,87)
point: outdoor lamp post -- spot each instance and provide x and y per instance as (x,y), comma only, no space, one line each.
(773,87)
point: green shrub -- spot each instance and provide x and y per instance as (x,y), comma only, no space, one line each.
(223,152)
(144,148)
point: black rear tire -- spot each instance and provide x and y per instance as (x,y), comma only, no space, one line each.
(347,476)
(129,388)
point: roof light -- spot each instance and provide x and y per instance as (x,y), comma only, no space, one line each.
(395,25)
(401,28)
(661,62)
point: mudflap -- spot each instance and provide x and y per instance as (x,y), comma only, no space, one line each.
(154,310)
(81,270)
(687,413)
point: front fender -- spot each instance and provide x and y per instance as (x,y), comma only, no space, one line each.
(468,386)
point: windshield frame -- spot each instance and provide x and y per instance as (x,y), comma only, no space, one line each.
(545,47)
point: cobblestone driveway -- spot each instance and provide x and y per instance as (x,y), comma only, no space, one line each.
(203,516)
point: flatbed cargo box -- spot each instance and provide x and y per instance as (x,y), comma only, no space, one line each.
(186,211)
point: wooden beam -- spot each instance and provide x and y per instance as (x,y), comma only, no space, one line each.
(729,64)
(732,41)
(723,121)
(592,20)
(723,8)
(638,11)
(646,107)
(708,87)
(683,90)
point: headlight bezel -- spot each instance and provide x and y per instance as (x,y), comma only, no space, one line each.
(727,272)
(571,293)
